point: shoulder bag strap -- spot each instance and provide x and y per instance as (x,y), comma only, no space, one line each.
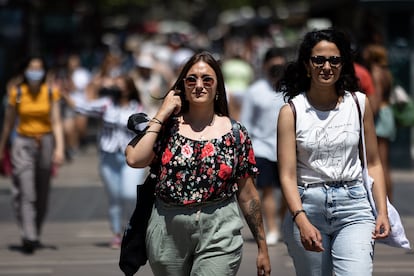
(361,130)
(292,106)
(236,133)
(236,129)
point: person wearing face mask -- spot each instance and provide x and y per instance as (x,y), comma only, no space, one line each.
(113,108)
(260,110)
(36,147)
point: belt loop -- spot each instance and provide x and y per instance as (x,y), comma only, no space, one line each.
(197,217)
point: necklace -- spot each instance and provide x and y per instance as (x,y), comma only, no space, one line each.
(201,131)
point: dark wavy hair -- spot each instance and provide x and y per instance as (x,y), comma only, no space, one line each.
(220,105)
(295,79)
(134,94)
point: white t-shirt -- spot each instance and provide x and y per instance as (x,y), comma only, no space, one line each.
(259,114)
(327,142)
(114,134)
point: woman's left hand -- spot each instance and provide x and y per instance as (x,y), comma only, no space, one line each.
(58,157)
(382,227)
(263,264)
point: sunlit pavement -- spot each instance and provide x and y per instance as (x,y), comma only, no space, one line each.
(77,233)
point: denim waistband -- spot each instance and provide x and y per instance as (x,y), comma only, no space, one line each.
(339,183)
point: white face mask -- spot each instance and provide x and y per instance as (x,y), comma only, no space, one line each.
(34,75)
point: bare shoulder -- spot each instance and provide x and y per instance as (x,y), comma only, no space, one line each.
(286,111)
(223,123)
(285,107)
(220,126)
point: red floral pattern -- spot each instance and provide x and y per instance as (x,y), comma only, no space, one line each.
(187,151)
(208,150)
(224,172)
(166,157)
(196,171)
(252,159)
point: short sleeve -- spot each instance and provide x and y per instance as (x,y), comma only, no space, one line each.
(167,131)
(246,159)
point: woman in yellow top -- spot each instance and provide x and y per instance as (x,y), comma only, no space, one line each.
(33,108)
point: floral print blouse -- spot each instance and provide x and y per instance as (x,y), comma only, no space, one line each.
(193,171)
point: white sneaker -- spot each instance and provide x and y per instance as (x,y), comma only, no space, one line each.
(272,238)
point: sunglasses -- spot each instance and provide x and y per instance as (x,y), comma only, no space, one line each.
(191,81)
(319,61)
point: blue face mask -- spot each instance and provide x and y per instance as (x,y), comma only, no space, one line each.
(34,75)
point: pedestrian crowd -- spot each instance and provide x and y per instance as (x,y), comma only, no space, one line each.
(248,127)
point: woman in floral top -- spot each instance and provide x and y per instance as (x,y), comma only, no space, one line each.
(205,167)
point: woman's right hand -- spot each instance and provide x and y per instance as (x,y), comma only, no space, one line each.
(171,104)
(310,236)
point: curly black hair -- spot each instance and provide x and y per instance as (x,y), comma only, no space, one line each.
(295,79)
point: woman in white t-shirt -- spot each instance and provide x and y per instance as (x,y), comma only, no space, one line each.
(113,108)
(332,228)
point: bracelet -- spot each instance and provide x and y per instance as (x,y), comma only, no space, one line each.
(153,131)
(296,213)
(155,120)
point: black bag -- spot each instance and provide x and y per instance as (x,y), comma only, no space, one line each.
(133,250)
(133,253)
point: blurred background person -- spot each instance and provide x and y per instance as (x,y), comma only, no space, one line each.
(39,144)
(259,113)
(120,101)
(148,81)
(72,79)
(102,79)
(238,75)
(376,59)
(74,124)
(179,52)
(365,80)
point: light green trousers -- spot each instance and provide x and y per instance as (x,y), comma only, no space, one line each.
(195,241)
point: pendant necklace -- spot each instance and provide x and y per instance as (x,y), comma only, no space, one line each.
(201,137)
(202,131)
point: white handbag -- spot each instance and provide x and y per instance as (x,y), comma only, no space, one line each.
(397,237)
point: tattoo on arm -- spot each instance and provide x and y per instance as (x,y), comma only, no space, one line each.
(254,219)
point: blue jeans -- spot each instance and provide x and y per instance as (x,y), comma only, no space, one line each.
(344,217)
(120,183)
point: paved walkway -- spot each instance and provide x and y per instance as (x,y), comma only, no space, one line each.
(76,234)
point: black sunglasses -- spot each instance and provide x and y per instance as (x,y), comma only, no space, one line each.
(319,61)
(191,81)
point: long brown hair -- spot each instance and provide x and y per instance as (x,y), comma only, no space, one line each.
(220,104)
